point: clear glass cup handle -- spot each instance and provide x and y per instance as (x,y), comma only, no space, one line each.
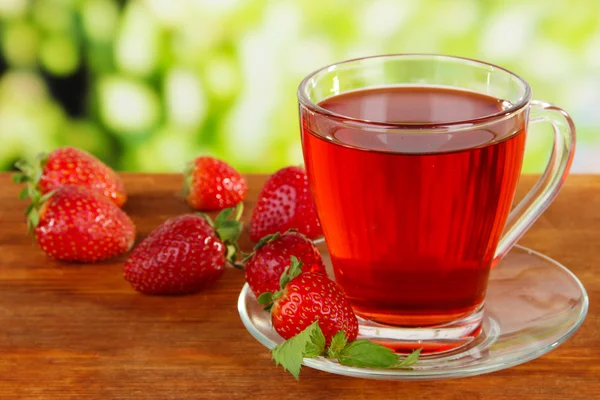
(545,190)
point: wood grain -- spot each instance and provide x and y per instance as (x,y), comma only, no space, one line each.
(71,331)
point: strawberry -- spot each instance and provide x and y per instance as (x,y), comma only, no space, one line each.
(212,184)
(73,223)
(284,203)
(312,313)
(185,254)
(306,297)
(271,257)
(71,166)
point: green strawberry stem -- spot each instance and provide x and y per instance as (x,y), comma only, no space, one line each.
(290,272)
(267,239)
(31,174)
(310,343)
(263,241)
(228,228)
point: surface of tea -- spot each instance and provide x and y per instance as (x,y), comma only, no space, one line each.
(412,220)
(413,104)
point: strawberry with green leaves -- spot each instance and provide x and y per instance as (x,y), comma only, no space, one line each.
(185,254)
(73,223)
(307,297)
(312,313)
(71,166)
(285,202)
(271,257)
(212,184)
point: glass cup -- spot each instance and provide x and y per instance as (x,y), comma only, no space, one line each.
(416,211)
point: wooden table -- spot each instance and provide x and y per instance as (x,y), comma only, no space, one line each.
(80,332)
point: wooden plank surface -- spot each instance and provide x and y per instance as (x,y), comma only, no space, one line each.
(71,331)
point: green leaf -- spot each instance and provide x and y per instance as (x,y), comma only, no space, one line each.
(290,272)
(284,279)
(229,224)
(338,342)
(232,250)
(223,216)
(20,178)
(229,231)
(34,217)
(24,193)
(24,166)
(295,267)
(316,346)
(265,298)
(290,353)
(46,196)
(37,176)
(409,360)
(29,209)
(42,160)
(365,354)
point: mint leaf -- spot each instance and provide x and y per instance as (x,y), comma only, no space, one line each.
(365,354)
(362,353)
(310,343)
(409,360)
(316,346)
(338,342)
(290,353)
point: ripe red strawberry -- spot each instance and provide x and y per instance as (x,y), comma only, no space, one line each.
(185,254)
(306,297)
(212,184)
(71,166)
(73,223)
(284,203)
(271,256)
(311,312)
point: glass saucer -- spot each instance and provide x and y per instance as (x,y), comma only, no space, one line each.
(533,305)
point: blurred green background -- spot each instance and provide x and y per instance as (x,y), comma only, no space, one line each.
(148,84)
